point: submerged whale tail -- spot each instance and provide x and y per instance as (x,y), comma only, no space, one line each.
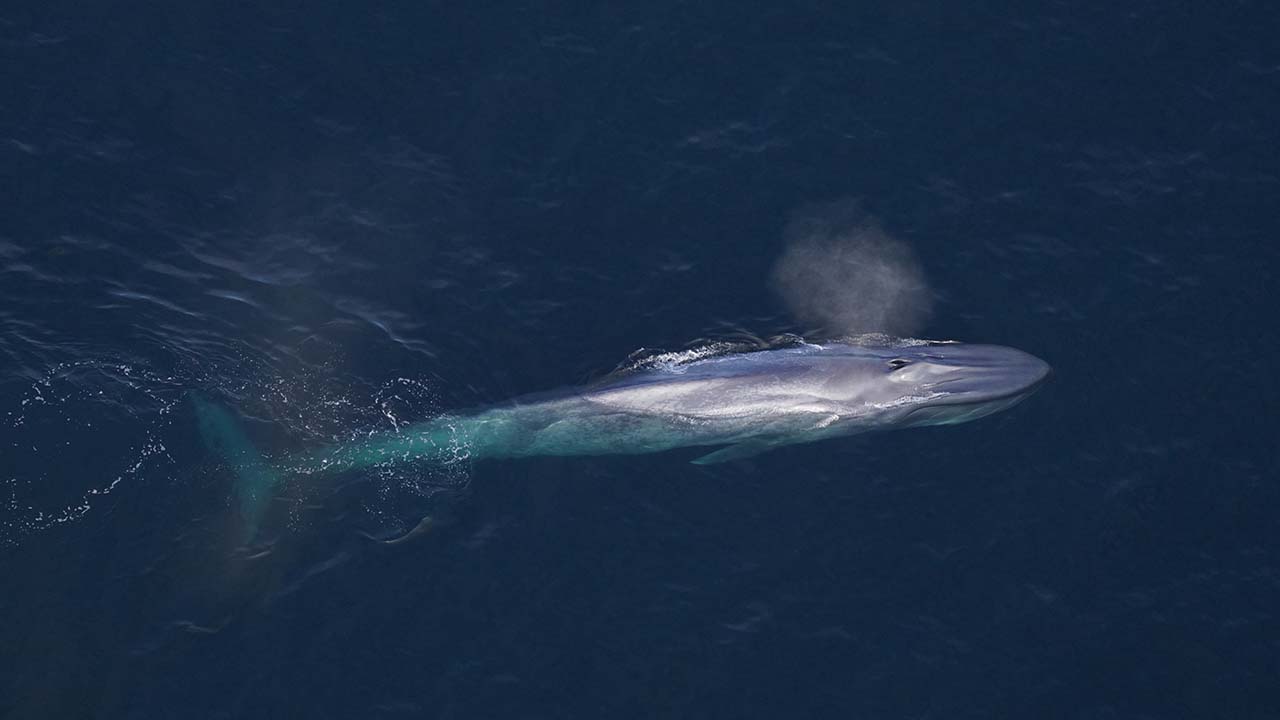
(256,481)
(447,440)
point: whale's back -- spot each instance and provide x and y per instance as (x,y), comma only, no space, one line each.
(757,383)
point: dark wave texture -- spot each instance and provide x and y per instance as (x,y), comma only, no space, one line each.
(337,218)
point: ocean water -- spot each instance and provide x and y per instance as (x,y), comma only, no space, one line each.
(335,218)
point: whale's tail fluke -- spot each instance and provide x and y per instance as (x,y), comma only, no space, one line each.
(445,440)
(256,481)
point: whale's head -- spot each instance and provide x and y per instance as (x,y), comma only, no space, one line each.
(811,390)
(949,383)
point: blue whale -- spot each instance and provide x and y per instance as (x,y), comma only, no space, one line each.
(741,404)
(746,403)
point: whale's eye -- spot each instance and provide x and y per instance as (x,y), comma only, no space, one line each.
(898,363)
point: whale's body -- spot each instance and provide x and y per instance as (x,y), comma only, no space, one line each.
(747,402)
(740,403)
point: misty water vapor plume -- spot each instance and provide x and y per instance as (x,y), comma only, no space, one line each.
(842,274)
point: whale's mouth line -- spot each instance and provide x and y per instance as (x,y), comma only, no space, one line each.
(962,398)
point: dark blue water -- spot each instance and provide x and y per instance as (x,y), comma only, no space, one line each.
(336,217)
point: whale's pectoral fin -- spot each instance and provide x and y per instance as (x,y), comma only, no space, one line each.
(741,451)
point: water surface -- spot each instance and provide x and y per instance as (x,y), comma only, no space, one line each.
(338,218)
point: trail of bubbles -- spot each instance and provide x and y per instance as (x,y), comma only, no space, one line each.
(55,406)
(70,428)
